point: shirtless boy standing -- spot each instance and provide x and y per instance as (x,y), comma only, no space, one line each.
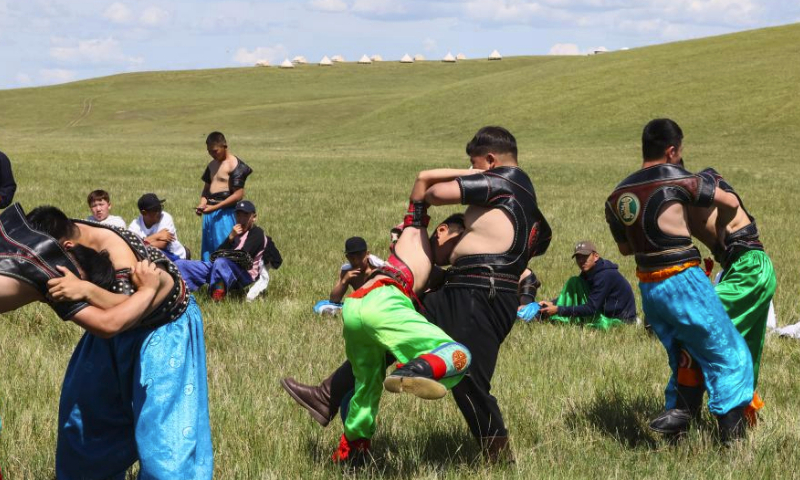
(224,186)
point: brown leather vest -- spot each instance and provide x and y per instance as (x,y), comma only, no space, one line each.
(633,208)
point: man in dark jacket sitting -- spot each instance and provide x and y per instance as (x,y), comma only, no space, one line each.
(599,297)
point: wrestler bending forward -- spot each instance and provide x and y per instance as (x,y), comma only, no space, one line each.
(380,317)
(477,305)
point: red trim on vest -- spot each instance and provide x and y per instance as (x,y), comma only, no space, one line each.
(437,364)
(381,282)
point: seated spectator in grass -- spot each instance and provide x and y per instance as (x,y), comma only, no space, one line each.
(100,204)
(238,261)
(599,297)
(156,227)
(353,274)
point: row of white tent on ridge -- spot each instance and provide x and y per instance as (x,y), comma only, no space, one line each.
(365,60)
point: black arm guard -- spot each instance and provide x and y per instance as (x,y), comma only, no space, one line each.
(528,287)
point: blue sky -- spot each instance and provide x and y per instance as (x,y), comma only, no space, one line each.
(54,41)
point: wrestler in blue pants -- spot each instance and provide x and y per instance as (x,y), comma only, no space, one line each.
(685,311)
(217,225)
(197,273)
(141,395)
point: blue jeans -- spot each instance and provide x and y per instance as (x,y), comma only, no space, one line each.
(141,395)
(197,273)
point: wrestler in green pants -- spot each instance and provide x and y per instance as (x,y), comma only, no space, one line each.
(385,320)
(576,292)
(746,289)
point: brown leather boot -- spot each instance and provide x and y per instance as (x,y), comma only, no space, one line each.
(323,400)
(314,399)
(497,450)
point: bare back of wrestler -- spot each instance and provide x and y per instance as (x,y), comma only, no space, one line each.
(703,224)
(121,256)
(110,313)
(414,247)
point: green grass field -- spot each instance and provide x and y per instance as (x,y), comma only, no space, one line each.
(335,151)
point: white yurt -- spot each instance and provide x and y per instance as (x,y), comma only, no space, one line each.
(461,56)
(376,58)
(406,59)
(287,64)
(337,58)
(326,62)
(449,58)
(419,58)
(364,60)
(299,60)
(262,63)
(495,55)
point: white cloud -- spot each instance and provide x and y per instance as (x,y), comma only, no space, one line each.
(154,16)
(23,79)
(118,13)
(274,55)
(429,44)
(56,75)
(328,5)
(98,50)
(379,7)
(564,49)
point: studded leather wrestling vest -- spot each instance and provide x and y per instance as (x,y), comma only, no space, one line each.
(740,241)
(633,208)
(511,190)
(236,180)
(32,257)
(178,299)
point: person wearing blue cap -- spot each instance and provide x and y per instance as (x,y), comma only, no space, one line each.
(237,262)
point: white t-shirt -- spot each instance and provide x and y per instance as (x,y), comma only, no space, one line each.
(137,226)
(113,220)
(374,260)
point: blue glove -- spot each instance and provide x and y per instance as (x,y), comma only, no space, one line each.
(529,311)
(326,306)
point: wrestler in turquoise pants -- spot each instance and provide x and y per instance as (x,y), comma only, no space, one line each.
(685,311)
(141,395)
(385,320)
(217,225)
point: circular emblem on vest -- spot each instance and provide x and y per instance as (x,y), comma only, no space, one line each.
(628,208)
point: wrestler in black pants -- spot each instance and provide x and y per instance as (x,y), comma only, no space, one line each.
(480,323)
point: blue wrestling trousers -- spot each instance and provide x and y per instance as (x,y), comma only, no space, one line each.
(142,395)
(197,273)
(217,225)
(684,310)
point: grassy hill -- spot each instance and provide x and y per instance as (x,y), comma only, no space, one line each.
(335,151)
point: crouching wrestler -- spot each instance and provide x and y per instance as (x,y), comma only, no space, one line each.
(647,215)
(29,259)
(380,318)
(746,288)
(136,391)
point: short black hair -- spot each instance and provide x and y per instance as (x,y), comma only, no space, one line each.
(216,138)
(455,222)
(96,265)
(658,135)
(52,221)
(492,140)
